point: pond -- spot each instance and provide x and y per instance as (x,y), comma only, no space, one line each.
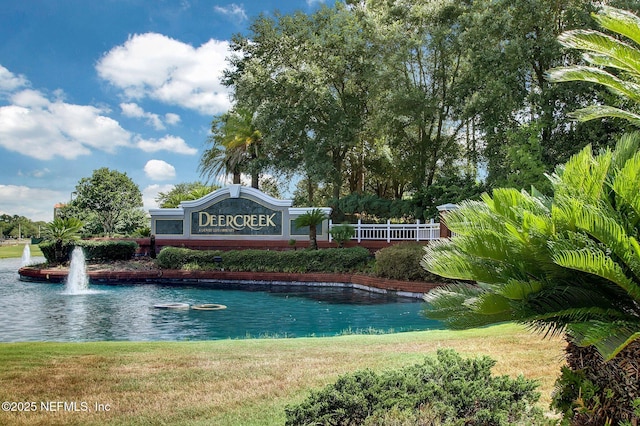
(43,312)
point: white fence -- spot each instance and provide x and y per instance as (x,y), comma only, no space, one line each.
(394,232)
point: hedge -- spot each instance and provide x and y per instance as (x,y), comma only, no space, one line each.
(297,261)
(108,250)
(402,262)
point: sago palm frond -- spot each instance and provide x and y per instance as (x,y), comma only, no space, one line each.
(604,51)
(607,336)
(619,21)
(459,306)
(603,111)
(626,183)
(615,52)
(600,264)
(583,176)
(595,75)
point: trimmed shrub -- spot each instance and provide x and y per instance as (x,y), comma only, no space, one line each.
(109,250)
(402,262)
(445,388)
(177,258)
(298,261)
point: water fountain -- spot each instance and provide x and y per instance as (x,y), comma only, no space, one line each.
(77,280)
(26,256)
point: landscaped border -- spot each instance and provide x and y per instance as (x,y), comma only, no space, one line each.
(172,276)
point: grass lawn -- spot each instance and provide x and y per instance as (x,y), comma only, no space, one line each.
(232,382)
(15,250)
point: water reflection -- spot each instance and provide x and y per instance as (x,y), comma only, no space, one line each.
(36,311)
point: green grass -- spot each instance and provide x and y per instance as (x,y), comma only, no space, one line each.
(234,382)
(15,250)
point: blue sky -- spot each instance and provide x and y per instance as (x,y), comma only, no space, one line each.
(131,85)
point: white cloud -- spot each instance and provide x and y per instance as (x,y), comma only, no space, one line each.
(150,193)
(158,67)
(135,111)
(10,82)
(168,143)
(159,170)
(38,173)
(43,129)
(172,118)
(233,11)
(33,203)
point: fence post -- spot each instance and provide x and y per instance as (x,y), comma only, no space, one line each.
(329,230)
(417,229)
(359,230)
(388,230)
(442,210)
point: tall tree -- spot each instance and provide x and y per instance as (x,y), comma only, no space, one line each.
(108,195)
(511,46)
(308,77)
(235,147)
(423,60)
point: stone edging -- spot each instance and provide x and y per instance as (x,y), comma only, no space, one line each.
(365,282)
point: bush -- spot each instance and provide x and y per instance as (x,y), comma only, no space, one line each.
(298,261)
(447,389)
(342,233)
(109,250)
(402,262)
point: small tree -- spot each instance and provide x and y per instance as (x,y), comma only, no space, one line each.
(109,195)
(60,232)
(342,233)
(311,219)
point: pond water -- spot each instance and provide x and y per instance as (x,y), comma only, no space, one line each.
(43,312)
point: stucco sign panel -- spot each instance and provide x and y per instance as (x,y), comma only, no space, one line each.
(236,216)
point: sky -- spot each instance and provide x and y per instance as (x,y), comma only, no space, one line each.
(131,85)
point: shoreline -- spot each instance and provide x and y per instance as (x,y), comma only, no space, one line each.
(114,275)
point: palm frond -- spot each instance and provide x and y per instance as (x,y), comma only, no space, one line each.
(623,56)
(594,112)
(609,337)
(600,264)
(625,88)
(619,21)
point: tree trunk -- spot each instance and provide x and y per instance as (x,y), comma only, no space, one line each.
(313,237)
(617,380)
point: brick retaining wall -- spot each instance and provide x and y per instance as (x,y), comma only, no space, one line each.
(170,275)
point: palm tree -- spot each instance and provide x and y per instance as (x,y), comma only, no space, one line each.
(312,219)
(236,146)
(568,264)
(60,232)
(605,51)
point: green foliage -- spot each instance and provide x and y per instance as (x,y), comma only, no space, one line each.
(19,226)
(312,219)
(370,208)
(298,261)
(449,187)
(184,192)
(447,388)
(110,199)
(604,51)
(402,262)
(60,234)
(592,392)
(568,263)
(64,230)
(93,250)
(342,233)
